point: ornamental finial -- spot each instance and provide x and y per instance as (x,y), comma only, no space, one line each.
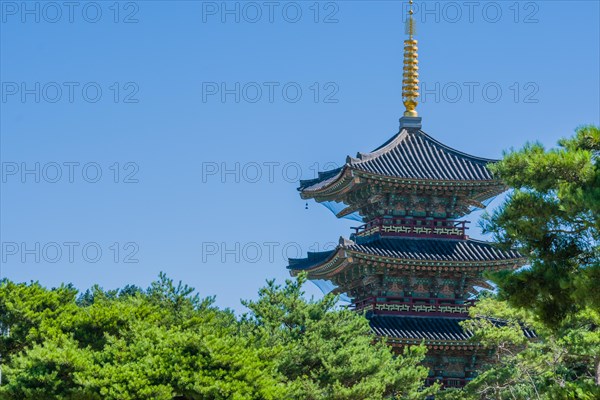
(410,23)
(410,76)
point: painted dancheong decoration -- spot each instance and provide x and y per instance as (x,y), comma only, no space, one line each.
(411,266)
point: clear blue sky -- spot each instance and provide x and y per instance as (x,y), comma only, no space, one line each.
(162,129)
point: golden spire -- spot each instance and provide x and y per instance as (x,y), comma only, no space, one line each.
(410,77)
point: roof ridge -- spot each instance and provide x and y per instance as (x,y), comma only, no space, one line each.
(482,241)
(402,135)
(391,144)
(453,150)
(321,176)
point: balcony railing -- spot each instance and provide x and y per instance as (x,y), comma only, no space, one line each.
(449,382)
(415,305)
(416,227)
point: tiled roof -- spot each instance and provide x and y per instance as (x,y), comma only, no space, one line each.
(414,154)
(419,328)
(312,260)
(434,249)
(418,249)
(323,180)
(428,328)
(411,154)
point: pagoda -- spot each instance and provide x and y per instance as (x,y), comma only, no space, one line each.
(411,267)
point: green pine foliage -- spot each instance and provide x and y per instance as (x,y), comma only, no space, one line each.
(326,353)
(167,343)
(559,364)
(553,217)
